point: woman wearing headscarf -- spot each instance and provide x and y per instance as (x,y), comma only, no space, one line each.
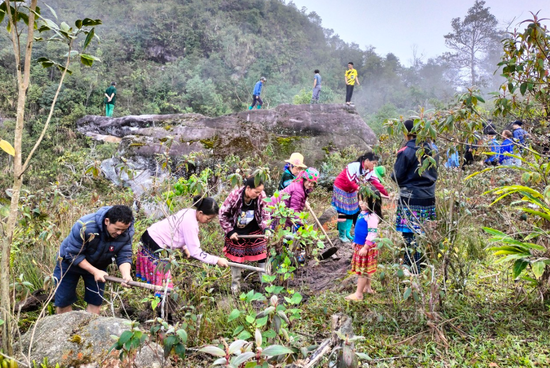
(244,212)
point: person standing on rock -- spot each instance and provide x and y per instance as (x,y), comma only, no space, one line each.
(178,231)
(110,100)
(294,165)
(346,187)
(316,88)
(96,240)
(244,212)
(350,79)
(256,94)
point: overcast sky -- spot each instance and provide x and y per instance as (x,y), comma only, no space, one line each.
(399,26)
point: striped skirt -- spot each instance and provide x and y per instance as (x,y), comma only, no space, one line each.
(246,250)
(344,202)
(151,269)
(364,265)
(411,214)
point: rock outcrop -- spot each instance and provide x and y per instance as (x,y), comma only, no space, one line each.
(312,130)
(80,339)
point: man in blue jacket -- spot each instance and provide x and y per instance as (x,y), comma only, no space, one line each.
(95,241)
(256,94)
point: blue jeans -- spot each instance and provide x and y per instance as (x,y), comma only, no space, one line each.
(66,277)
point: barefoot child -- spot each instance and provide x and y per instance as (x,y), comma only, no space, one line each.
(365,252)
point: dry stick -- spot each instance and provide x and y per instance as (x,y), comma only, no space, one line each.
(319,223)
(138,284)
(321,351)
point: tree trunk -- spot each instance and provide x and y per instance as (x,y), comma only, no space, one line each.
(23,84)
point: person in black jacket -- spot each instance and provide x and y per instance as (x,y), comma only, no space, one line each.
(96,240)
(416,194)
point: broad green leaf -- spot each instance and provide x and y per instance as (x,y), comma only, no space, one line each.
(407,293)
(363,356)
(88,60)
(240,359)
(65,27)
(235,313)
(212,350)
(88,38)
(182,335)
(261,321)
(245,335)
(52,11)
(78,23)
(275,350)
(124,337)
(519,266)
(538,268)
(7,147)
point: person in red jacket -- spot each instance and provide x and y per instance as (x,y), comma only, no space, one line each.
(346,187)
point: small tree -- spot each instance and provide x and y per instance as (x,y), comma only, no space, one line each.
(17,12)
(472,38)
(525,65)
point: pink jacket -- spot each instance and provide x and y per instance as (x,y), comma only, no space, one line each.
(179,230)
(231,209)
(296,199)
(352,177)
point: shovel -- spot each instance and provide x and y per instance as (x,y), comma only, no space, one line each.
(142,285)
(332,250)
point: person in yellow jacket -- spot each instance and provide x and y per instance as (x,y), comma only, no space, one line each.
(351,79)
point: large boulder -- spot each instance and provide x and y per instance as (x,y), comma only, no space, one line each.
(81,339)
(313,130)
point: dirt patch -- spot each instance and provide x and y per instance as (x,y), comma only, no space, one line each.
(319,276)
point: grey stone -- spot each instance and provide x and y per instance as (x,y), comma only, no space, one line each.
(81,339)
(313,130)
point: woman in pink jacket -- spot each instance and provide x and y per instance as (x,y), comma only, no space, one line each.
(295,195)
(179,231)
(346,187)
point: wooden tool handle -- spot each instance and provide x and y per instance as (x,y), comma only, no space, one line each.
(251,236)
(319,224)
(246,267)
(137,284)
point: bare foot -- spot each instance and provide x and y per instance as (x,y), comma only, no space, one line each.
(368,290)
(354,298)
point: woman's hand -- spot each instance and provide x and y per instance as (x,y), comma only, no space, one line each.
(222,262)
(234,237)
(363,251)
(186,251)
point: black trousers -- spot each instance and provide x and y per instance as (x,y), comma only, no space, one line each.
(349,92)
(256,99)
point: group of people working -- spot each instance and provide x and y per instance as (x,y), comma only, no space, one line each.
(513,143)
(105,237)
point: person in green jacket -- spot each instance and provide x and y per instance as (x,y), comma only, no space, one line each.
(110,99)
(295,164)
